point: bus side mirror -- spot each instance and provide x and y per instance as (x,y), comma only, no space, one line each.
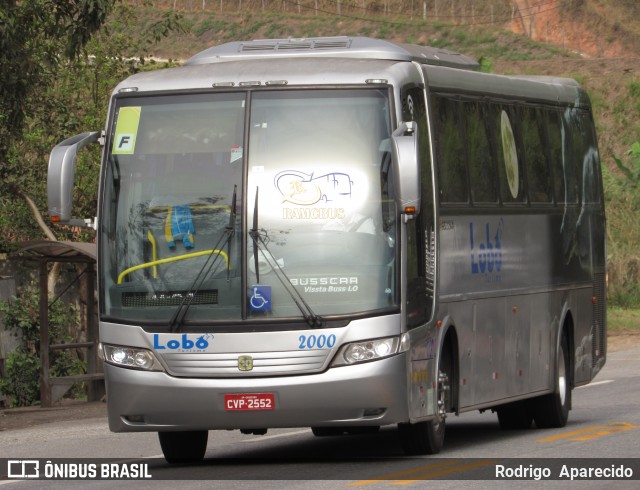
(406,169)
(61,175)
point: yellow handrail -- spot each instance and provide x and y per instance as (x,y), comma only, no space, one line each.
(154,252)
(172,259)
(193,207)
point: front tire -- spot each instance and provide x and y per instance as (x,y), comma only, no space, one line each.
(184,447)
(422,437)
(327,431)
(428,437)
(339,431)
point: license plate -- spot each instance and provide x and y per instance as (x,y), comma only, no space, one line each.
(249,401)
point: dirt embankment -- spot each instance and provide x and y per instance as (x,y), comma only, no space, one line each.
(607,80)
(545,21)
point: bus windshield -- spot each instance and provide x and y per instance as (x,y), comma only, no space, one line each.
(228,207)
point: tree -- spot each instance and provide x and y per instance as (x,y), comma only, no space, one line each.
(59,61)
(630,170)
(35,35)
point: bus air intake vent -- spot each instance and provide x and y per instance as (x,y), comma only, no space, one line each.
(295,45)
(169,298)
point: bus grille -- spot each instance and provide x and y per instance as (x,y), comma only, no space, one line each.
(226,365)
(599,318)
(169,298)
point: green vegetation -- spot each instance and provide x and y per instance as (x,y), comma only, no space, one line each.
(623,207)
(72,95)
(60,97)
(620,320)
(36,37)
(21,315)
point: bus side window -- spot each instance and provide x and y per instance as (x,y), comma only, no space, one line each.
(556,156)
(450,151)
(482,171)
(538,176)
(572,186)
(586,157)
(505,134)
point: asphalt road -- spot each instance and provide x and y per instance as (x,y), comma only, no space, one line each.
(604,423)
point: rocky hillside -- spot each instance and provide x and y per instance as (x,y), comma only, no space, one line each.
(592,28)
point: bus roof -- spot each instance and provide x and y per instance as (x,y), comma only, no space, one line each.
(333,47)
(349,60)
(547,89)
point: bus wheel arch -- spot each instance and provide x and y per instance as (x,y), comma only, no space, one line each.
(428,437)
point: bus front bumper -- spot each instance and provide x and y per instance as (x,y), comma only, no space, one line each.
(368,394)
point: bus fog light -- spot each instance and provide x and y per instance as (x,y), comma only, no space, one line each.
(369,350)
(130,357)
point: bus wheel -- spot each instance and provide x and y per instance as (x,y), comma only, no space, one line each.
(515,416)
(327,431)
(365,429)
(427,437)
(553,410)
(184,447)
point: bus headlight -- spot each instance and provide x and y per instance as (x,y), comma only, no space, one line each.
(369,350)
(130,357)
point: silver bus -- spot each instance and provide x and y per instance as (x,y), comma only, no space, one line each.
(343,233)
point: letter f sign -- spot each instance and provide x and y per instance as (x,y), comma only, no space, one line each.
(124,143)
(125,139)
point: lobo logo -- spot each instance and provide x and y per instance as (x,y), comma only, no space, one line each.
(487,256)
(305,189)
(184,344)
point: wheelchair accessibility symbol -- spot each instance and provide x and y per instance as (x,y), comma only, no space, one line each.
(260,299)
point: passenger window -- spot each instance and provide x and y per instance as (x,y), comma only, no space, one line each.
(586,158)
(450,151)
(538,176)
(509,162)
(554,137)
(572,150)
(482,170)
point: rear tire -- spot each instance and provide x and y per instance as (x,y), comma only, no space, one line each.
(515,416)
(552,410)
(184,447)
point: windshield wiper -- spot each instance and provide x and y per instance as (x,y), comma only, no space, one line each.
(259,244)
(230,230)
(180,313)
(255,236)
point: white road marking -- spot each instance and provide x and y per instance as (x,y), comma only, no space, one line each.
(603,382)
(276,436)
